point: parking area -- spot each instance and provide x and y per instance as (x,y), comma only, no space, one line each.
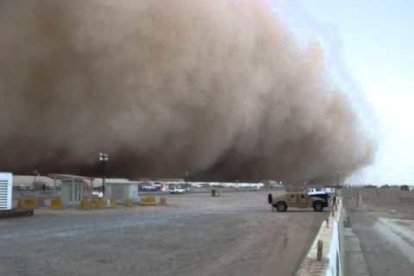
(233,234)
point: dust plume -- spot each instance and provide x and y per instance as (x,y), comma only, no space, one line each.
(215,88)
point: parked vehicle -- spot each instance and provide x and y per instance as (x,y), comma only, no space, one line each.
(298,200)
(320,192)
(177,190)
(150,188)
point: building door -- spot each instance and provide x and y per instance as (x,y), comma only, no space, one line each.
(65,192)
(75,192)
(118,192)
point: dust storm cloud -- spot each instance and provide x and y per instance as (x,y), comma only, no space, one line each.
(215,88)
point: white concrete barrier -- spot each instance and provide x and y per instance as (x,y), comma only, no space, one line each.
(331,235)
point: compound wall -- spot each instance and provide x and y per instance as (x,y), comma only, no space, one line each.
(325,256)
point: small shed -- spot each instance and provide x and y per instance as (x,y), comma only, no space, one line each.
(119,189)
(72,188)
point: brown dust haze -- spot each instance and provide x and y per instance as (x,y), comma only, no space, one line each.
(215,88)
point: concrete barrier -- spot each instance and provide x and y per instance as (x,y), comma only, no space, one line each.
(163,201)
(56,204)
(19,204)
(27,203)
(98,204)
(85,204)
(111,203)
(325,254)
(148,201)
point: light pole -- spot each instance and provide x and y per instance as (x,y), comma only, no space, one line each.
(36,174)
(103,157)
(338,178)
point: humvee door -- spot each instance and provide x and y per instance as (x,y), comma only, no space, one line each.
(292,199)
(303,201)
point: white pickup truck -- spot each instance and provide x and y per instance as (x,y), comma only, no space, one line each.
(177,190)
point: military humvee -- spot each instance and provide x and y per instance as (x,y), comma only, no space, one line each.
(297,199)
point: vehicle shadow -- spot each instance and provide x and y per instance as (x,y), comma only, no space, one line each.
(303,211)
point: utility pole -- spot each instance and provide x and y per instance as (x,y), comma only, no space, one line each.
(338,174)
(103,158)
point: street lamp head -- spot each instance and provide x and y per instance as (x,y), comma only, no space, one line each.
(103,156)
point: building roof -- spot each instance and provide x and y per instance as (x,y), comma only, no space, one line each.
(97,182)
(28,180)
(70,176)
(169,180)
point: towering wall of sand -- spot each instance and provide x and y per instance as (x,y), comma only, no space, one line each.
(216,88)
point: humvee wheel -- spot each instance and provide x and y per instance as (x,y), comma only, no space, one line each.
(281,206)
(317,206)
(269,198)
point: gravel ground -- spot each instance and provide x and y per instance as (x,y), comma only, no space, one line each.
(386,252)
(234,234)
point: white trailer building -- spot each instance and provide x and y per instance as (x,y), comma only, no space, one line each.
(6,187)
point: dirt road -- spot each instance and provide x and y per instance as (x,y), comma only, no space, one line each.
(235,234)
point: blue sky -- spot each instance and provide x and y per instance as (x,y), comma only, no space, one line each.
(369,48)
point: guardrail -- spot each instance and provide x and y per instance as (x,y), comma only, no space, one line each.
(325,256)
